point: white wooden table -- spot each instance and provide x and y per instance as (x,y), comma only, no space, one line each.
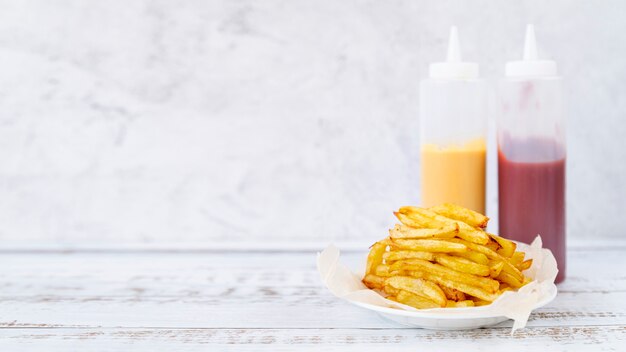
(267,300)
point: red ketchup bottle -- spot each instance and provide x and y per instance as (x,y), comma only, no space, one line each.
(531,153)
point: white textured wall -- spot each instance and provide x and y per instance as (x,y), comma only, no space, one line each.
(234,120)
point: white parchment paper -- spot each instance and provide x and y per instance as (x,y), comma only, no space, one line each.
(346,284)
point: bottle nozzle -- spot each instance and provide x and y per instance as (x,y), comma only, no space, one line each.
(454,48)
(530,44)
(454,67)
(530,65)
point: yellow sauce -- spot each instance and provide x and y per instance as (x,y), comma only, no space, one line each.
(454,174)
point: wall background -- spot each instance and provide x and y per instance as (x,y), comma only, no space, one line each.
(150,121)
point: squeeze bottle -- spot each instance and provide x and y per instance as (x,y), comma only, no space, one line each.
(531,153)
(453,123)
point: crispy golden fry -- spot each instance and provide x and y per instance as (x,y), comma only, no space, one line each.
(440,246)
(462,265)
(384,270)
(456,212)
(507,248)
(419,287)
(466,231)
(460,304)
(461,286)
(495,269)
(373,281)
(493,245)
(508,267)
(375,257)
(509,280)
(452,294)
(415,301)
(513,271)
(484,283)
(474,256)
(526,264)
(390,290)
(393,256)
(517,258)
(406,232)
(417,220)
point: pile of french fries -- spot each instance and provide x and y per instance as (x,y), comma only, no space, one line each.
(442,257)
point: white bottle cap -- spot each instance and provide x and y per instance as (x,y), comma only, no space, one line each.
(453,67)
(530,66)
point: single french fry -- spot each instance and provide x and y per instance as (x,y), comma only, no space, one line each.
(415,301)
(493,245)
(509,280)
(517,258)
(484,283)
(496,268)
(375,257)
(406,232)
(508,267)
(460,304)
(525,265)
(460,213)
(507,248)
(418,221)
(383,270)
(462,265)
(393,256)
(513,271)
(461,286)
(440,246)
(390,290)
(373,281)
(466,231)
(452,294)
(474,256)
(419,287)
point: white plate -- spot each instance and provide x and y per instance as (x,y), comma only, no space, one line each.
(472,317)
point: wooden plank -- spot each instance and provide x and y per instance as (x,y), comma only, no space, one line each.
(171,274)
(579,338)
(240,290)
(262,312)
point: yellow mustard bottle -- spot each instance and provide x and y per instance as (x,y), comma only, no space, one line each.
(453,126)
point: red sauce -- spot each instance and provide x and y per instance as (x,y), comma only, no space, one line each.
(532,195)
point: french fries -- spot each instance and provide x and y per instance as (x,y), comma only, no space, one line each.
(431,245)
(430,219)
(406,232)
(456,212)
(441,257)
(462,265)
(419,287)
(506,248)
(413,300)
(390,257)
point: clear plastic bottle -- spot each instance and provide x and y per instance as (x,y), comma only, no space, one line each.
(531,153)
(453,124)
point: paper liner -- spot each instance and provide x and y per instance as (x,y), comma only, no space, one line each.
(517,305)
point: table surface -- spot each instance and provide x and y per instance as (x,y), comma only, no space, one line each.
(268,300)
